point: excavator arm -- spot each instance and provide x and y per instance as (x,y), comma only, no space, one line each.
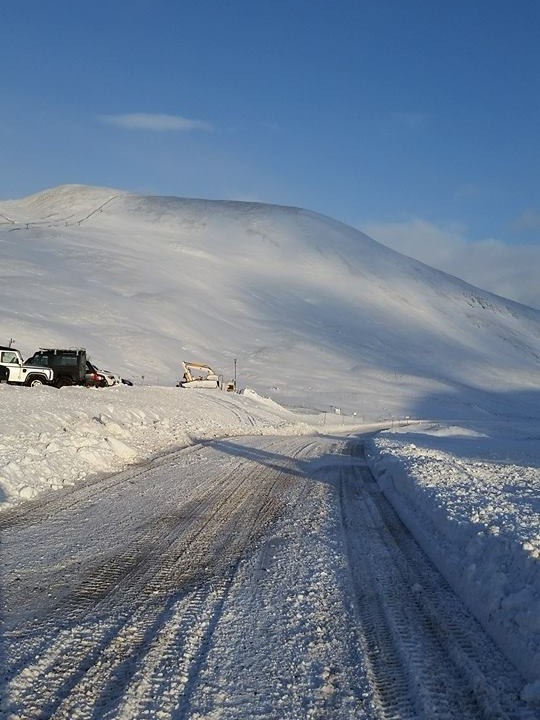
(199,375)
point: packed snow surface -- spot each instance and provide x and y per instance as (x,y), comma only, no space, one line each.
(468,492)
(335,334)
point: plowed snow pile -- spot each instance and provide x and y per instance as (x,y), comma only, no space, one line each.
(470,495)
(52,438)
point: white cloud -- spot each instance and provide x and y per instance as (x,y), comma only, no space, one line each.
(529,220)
(507,270)
(156,122)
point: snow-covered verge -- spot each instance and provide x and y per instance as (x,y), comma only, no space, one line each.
(53,438)
(470,495)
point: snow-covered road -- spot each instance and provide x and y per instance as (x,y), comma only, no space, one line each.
(256,577)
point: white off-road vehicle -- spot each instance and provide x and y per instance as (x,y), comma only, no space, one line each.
(14,370)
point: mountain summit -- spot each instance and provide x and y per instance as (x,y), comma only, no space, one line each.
(316,313)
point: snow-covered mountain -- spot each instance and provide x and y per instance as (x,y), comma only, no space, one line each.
(316,313)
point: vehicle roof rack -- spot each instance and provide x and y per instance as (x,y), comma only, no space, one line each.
(71,349)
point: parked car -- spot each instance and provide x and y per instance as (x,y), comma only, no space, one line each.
(110,377)
(100,378)
(92,378)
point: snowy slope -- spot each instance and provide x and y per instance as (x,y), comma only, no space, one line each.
(316,313)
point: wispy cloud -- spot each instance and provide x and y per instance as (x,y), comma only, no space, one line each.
(469,191)
(156,122)
(507,270)
(529,220)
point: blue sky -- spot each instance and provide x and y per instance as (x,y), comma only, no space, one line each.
(381,113)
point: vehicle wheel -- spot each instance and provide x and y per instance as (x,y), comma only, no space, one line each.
(34,381)
(63,381)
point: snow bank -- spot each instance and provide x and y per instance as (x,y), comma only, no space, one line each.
(52,438)
(470,497)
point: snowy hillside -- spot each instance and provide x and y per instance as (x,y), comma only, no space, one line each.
(318,316)
(316,313)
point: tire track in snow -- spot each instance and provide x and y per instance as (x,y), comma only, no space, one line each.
(279,651)
(139,639)
(91,663)
(34,512)
(158,673)
(109,574)
(427,656)
(241,414)
(69,659)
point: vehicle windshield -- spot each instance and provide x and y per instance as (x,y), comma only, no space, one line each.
(37,360)
(8,356)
